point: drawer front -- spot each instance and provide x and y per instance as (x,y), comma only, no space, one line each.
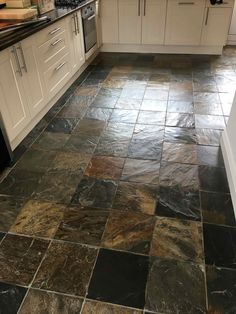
(50,32)
(225,4)
(52,50)
(57,75)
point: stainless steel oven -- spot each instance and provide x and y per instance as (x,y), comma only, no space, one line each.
(89,26)
(5,149)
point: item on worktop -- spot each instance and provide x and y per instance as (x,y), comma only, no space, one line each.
(7,27)
(44,5)
(17,14)
(2,3)
(18,3)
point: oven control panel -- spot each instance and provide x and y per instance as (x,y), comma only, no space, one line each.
(88,10)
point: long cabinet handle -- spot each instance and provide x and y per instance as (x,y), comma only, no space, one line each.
(23,58)
(14,51)
(74,17)
(139,8)
(144,7)
(207,16)
(186,3)
(60,66)
(55,31)
(56,42)
(77,22)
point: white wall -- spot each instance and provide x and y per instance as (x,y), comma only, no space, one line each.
(228,144)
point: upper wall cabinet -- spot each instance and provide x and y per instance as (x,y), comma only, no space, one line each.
(216,26)
(184,22)
(109,20)
(153,21)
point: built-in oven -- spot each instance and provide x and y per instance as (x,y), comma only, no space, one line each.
(89,27)
(5,149)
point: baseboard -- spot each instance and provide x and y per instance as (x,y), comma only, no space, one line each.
(231,40)
(213,50)
(230,166)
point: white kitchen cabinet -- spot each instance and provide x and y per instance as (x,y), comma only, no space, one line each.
(216,26)
(76,42)
(13,104)
(153,21)
(130,21)
(184,22)
(109,20)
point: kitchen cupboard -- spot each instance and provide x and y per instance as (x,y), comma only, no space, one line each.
(109,20)
(184,22)
(216,26)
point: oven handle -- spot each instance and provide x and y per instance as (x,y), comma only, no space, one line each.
(91,17)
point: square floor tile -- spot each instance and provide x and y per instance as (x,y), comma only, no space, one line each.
(213,179)
(11,298)
(81,144)
(62,125)
(156,94)
(180,135)
(177,239)
(133,92)
(101,114)
(221,290)
(180,106)
(178,203)
(142,171)
(209,122)
(47,302)
(128,231)
(151,117)
(103,101)
(82,225)
(128,104)
(124,116)
(179,175)
(20,183)
(175,287)
(147,132)
(51,141)
(145,149)
(210,98)
(105,167)
(20,258)
(182,120)
(220,245)
(38,218)
(184,153)
(66,268)
(91,128)
(209,137)
(94,192)
(100,307)
(10,208)
(217,208)
(119,278)
(75,107)
(136,197)
(154,105)
(210,155)
(208,108)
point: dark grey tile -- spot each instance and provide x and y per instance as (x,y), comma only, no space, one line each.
(10,208)
(102,114)
(145,149)
(208,137)
(182,120)
(51,141)
(62,125)
(210,155)
(124,116)
(11,298)
(178,152)
(213,179)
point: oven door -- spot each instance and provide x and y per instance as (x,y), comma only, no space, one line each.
(90,33)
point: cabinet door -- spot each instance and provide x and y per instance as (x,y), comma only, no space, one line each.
(109,21)
(76,43)
(184,22)
(34,91)
(153,21)
(13,106)
(216,26)
(130,21)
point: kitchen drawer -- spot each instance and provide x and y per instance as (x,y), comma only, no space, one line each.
(52,50)
(50,32)
(225,4)
(57,75)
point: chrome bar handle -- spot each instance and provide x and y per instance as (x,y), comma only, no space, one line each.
(207,16)
(144,7)
(139,9)
(77,22)
(23,58)
(56,42)
(14,51)
(92,17)
(73,17)
(55,31)
(186,3)
(60,66)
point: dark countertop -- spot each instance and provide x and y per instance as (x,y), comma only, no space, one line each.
(10,38)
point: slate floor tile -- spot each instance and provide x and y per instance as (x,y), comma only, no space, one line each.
(209,122)
(66,268)
(81,144)
(142,171)
(94,192)
(177,239)
(178,203)
(82,225)
(133,92)
(148,133)
(128,104)
(208,108)
(156,94)
(38,218)
(51,141)
(210,155)
(182,120)
(104,101)
(183,153)
(175,287)
(209,137)
(128,231)
(213,179)
(154,105)
(11,298)
(90,127)
(136,197)
(38,301)
(124,116)
(75,107)
(221,290)
(20,258)
(10,208)
(151,117)
(119,278)
(180,106)
(101,114)
(220,245)
(217,208)
(180,135)
(145,149)
(62,125)
(102,308)
(105,167)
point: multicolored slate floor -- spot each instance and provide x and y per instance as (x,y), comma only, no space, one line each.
(118,200)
